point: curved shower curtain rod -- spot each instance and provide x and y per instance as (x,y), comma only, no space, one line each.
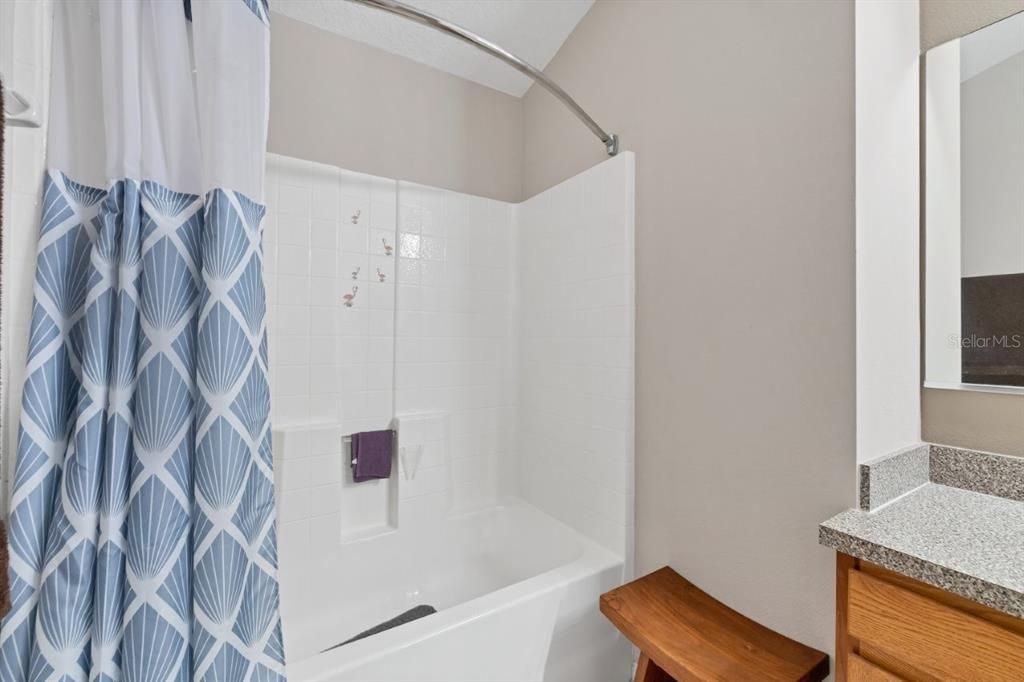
(610,140)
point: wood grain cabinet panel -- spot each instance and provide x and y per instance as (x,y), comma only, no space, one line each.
(893,664)
(863,670)
(890,627)
(927,634)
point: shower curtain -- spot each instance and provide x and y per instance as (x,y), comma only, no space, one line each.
(142,520)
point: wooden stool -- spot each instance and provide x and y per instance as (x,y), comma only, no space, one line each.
(684,634)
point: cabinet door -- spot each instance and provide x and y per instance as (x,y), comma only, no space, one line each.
(941,641)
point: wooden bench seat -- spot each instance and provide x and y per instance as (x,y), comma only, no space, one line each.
(685,634)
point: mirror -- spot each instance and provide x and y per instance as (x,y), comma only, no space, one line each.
(974,210)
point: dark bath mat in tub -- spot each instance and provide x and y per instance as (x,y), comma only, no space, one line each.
(409,616)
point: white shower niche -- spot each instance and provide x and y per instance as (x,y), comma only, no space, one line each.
(318,500)
(315,485)
(497,340)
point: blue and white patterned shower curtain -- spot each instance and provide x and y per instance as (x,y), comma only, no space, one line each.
(142,522)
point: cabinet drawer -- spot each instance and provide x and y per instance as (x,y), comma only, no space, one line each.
(863,670)
(939,640)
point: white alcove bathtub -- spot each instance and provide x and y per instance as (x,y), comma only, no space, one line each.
(515,592)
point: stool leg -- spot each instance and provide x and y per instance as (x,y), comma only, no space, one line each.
(648,671)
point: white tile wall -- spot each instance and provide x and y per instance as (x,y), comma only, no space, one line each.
(576,283)
(331,364)
(448,351)
(455,338)
(318,502)
(503,333)
(27,68)
(324,238)
(425,485)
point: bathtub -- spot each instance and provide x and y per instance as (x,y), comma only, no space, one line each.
(516,593)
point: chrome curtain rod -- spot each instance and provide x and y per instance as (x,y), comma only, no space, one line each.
(610,140)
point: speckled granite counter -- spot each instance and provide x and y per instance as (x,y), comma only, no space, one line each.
(966,542)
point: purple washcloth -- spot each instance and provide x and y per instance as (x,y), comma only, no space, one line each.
(371,455)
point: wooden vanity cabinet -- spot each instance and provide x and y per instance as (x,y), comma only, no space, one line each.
(890,627)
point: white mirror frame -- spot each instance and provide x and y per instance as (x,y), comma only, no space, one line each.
(942,220)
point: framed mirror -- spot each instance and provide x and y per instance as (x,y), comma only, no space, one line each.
(974,210)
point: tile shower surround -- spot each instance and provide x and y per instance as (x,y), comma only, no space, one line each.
(513,321)
(322,226)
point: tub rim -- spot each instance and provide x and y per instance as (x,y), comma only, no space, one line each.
(592,560)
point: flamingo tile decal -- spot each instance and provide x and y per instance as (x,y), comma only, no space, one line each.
(355,273)
(355,216)
(380,275)
(388,249)
(349,298)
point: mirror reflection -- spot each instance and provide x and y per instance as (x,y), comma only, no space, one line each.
(974,192)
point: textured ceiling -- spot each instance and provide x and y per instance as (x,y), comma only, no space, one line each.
(530,29)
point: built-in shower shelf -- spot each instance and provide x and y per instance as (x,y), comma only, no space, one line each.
(314,483)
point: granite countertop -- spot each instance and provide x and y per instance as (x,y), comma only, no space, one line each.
(952,534)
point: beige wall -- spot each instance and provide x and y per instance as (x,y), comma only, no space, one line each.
(390,116)
(986,421)
(943,20)
(742,118)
